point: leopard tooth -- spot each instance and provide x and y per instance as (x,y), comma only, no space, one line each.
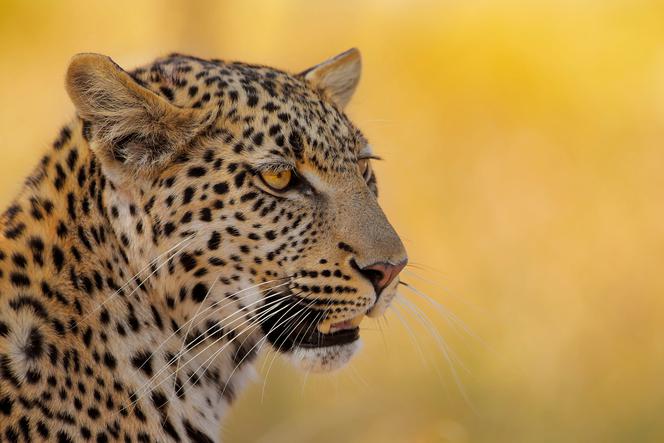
(325,327)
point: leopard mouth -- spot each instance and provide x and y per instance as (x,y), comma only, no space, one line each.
(317,339)
(310,332)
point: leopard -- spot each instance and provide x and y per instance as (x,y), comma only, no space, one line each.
(192,214)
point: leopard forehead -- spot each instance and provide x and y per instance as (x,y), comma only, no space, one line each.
(262,112)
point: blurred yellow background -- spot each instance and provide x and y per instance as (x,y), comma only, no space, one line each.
(524,169)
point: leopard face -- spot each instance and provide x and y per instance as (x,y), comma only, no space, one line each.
(270,178)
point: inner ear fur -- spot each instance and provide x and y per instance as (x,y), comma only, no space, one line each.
(130,126)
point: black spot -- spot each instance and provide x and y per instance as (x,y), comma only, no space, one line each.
(188,195)
(195,434)
(188,261)
(6,405)
(214,241)
(19,260)
(143,360)
(169,228)
(15,232)
(11,434)
(93,413)
(252,100)
(159,400)
(24,425)
(72,158)
(168,92)
(295,140)
(58,258)
(7,372)
(196,171)
(25,302)
(19,279)
(258,138)
(199,292)
(239,179)
(110,361)
(206,215)
(220,188)
(42,429)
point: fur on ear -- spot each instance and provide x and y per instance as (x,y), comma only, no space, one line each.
(131,127)
(337,77)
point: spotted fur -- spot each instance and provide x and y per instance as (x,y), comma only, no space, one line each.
(146,262)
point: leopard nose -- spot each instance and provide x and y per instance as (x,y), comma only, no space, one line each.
(382,274)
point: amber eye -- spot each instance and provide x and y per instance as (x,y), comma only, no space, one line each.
(365,168)
(277,180)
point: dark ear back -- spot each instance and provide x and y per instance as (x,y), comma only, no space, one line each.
(337,77)
(132,128)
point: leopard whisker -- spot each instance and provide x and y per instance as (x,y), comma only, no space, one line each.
(449,355)
(249,312)
(429,325)
(213,304)
(131,279)
(409,330)
(282,332)
(302,312)
(191,322)
(147,385)
(451,318)
(218,352)
(274,357)
(188,322)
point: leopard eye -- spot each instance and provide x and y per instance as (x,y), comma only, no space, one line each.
(365,167)
(277,180)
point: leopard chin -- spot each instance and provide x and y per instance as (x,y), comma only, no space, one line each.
(324,359)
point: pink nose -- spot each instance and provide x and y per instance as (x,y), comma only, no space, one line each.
(382,274)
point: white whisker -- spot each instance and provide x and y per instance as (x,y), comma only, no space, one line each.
(131,279)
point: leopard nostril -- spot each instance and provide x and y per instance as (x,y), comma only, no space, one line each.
(382,274)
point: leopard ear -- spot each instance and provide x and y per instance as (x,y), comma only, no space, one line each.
(337,77)
(131,128)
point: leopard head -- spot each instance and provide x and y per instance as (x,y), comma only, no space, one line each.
(256,190)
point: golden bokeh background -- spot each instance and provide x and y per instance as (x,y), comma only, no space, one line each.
(524,147)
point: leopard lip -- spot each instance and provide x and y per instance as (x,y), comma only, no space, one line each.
(340,337)
(307,334)
(327,327)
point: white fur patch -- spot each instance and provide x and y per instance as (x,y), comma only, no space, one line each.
(325,359)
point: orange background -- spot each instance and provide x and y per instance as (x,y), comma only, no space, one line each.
(524,152)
